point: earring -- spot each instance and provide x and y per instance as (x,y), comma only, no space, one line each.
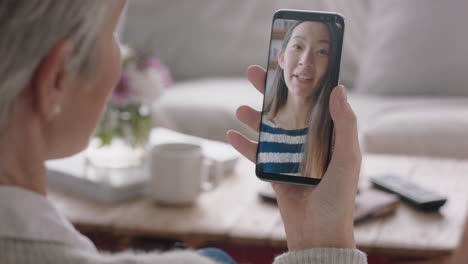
(57,110)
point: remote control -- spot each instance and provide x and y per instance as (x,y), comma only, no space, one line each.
(410,192)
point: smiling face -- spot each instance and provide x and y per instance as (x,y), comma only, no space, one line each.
(305,58)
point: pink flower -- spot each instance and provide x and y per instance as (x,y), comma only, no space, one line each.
(155,63)
(143,79)
(122,92)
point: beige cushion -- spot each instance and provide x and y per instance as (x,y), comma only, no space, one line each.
(393,125)
(207,107)
(416,47)
(439,130)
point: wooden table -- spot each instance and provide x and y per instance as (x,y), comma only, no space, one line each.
(233,213)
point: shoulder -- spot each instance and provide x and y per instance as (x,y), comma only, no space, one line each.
(32,252)
(266,120)
(268,127)
(176,257)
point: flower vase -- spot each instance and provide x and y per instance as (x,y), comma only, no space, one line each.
(119,147)
(121,139)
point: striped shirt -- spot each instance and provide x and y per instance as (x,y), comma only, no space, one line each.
(280,150)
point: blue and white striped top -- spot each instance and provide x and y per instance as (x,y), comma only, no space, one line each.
(280,150)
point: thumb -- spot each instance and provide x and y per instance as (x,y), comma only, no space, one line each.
(346,153)
(339,184)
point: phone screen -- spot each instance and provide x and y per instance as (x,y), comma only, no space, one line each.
(296,131)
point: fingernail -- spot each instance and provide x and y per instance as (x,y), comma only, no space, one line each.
(343,95)
(228,132)
(228,138)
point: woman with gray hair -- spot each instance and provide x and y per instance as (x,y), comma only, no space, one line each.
(60,61)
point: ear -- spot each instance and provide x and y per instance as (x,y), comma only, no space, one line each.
(48,84)
(281,59)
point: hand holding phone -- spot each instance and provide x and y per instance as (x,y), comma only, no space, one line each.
(321,216)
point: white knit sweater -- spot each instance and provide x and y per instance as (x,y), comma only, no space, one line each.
(32,231)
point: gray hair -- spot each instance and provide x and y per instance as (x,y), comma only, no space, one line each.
(29,29)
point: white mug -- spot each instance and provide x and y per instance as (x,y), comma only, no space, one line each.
(179,173)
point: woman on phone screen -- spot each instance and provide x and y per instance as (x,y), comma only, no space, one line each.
(296,125)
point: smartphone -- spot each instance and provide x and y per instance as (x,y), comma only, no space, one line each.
(296,132)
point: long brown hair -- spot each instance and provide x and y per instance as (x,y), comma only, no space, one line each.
(277,97)
(317,146)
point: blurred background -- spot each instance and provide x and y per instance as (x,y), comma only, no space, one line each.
(405,63)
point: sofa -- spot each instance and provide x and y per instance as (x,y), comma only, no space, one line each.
(404,62)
